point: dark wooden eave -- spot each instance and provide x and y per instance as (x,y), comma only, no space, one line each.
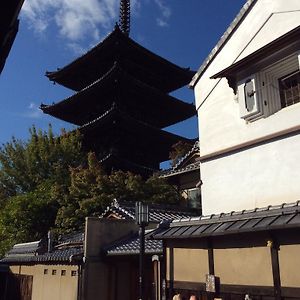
(136,140)
(116,86)
(263,57)
(270,220)
(155,70)
(9,24)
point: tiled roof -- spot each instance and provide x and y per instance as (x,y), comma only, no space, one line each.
(194,149)
(57,256)
(260,219)
(27,248)
(115,45)
(76,237)
(69,248)
(188,168)
(157,213)
(131,246)
(230,30)
(179,168)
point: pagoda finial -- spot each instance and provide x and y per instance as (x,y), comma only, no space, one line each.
(124,19)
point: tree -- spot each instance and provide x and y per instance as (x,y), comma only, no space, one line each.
(27,217)
(91,190)
(33,176)
(49,182)
(25,165)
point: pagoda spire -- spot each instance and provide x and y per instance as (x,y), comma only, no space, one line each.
(124,18)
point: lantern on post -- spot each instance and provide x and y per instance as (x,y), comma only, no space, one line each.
(142,219)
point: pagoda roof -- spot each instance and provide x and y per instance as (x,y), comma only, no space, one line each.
(142,100)
(155,70)
(134,138)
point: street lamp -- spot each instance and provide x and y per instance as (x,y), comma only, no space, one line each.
(142,219)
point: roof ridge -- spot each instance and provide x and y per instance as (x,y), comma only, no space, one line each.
(256,212)
(222,41)
(195,148)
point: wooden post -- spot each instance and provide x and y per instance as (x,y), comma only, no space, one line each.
(211,264)
(275,269)
(163,274)
(171,270)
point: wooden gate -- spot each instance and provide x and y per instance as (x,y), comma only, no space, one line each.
(18,287)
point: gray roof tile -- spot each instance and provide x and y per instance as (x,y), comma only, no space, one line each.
(131,246)
(157,213)
(262,219)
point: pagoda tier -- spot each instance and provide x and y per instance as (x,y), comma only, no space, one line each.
(133,140)
(140,62)
(132,95)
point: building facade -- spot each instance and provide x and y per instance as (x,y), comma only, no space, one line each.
(249,153)
(246,243)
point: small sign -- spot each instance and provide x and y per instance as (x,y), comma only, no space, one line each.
(210,283)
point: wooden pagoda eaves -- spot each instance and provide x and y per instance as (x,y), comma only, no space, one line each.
(117,46)
(145,102)
(136,136)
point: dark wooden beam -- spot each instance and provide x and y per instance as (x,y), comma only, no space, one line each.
(171,270)
(275,269)
(211,264)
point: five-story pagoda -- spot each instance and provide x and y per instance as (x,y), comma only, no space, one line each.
(121,101)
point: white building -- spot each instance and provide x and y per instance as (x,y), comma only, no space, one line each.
(247,97)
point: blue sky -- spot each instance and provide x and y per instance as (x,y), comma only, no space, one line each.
(54,32)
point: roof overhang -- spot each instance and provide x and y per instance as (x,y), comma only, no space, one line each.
(278,49)
(265,221)
(224,38)
(155,70)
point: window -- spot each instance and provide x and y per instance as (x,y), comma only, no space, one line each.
(249,98)
(45,271)
(270,89)
(53,272)
(194,198)
(63,272)
(73,273)
(249,94)
(290,89)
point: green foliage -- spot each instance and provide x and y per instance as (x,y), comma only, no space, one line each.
(91,190)
(27,217)
(26,165)
(33,175)
(48,182)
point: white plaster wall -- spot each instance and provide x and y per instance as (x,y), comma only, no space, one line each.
(248,179)
(265,175)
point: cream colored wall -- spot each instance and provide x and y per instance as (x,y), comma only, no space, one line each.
(100,233)
(235,181)
(247,266)
(289,263)
(189,264)
(48,286)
